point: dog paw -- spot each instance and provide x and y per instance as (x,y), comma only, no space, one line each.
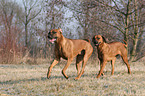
(76,78)
(66,77)
(98,76)
(48,77)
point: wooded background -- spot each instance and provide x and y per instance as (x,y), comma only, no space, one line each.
(24,26)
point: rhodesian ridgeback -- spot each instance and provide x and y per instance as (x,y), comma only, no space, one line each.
(68,49)
(109,51)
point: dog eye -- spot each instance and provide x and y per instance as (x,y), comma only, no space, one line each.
(54,32)
(98,38)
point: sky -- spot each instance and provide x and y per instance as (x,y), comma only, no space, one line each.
(18,1)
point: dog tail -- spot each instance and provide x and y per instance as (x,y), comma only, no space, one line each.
(125,43)
(87,40)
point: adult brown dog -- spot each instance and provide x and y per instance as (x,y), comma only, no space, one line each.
(68,49)
(108,52)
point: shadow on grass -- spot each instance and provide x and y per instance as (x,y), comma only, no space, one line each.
(41,79)
(31,80)
(24,80)
(106,73)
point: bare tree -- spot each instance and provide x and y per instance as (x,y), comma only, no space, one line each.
(118,16)
(137,19)
(32,9)
(87,13)
(81,14)
(125,18)
(54,15)
(51,17)
(10,30)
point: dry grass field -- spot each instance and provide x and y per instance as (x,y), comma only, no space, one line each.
(30,80)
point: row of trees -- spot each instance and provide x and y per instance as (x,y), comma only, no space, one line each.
(24,25)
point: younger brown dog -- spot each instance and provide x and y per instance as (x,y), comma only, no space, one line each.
(68,49)
(109,51)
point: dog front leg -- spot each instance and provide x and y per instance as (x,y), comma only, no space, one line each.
(50,68)
(66,66)
(102,68)
(101,64)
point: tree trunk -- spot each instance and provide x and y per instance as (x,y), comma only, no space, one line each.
(26,36)
(127,23)
(86,24)
(136,33)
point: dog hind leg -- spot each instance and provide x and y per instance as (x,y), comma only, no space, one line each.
(79,60)
(126,62)
(85,59)
(112,63)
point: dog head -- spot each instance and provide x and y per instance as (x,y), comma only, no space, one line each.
(54,34)
(98,39)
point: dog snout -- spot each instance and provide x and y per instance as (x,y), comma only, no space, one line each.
(48,36)
(95,41)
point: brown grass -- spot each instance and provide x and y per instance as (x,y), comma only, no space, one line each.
(30,80)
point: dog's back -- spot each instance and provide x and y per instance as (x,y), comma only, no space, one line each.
(79,45)
(116,48)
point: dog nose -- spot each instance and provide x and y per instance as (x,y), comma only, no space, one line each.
(96,42)
(49,35)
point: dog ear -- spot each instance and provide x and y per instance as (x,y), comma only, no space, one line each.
(60,30)
(104,39)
